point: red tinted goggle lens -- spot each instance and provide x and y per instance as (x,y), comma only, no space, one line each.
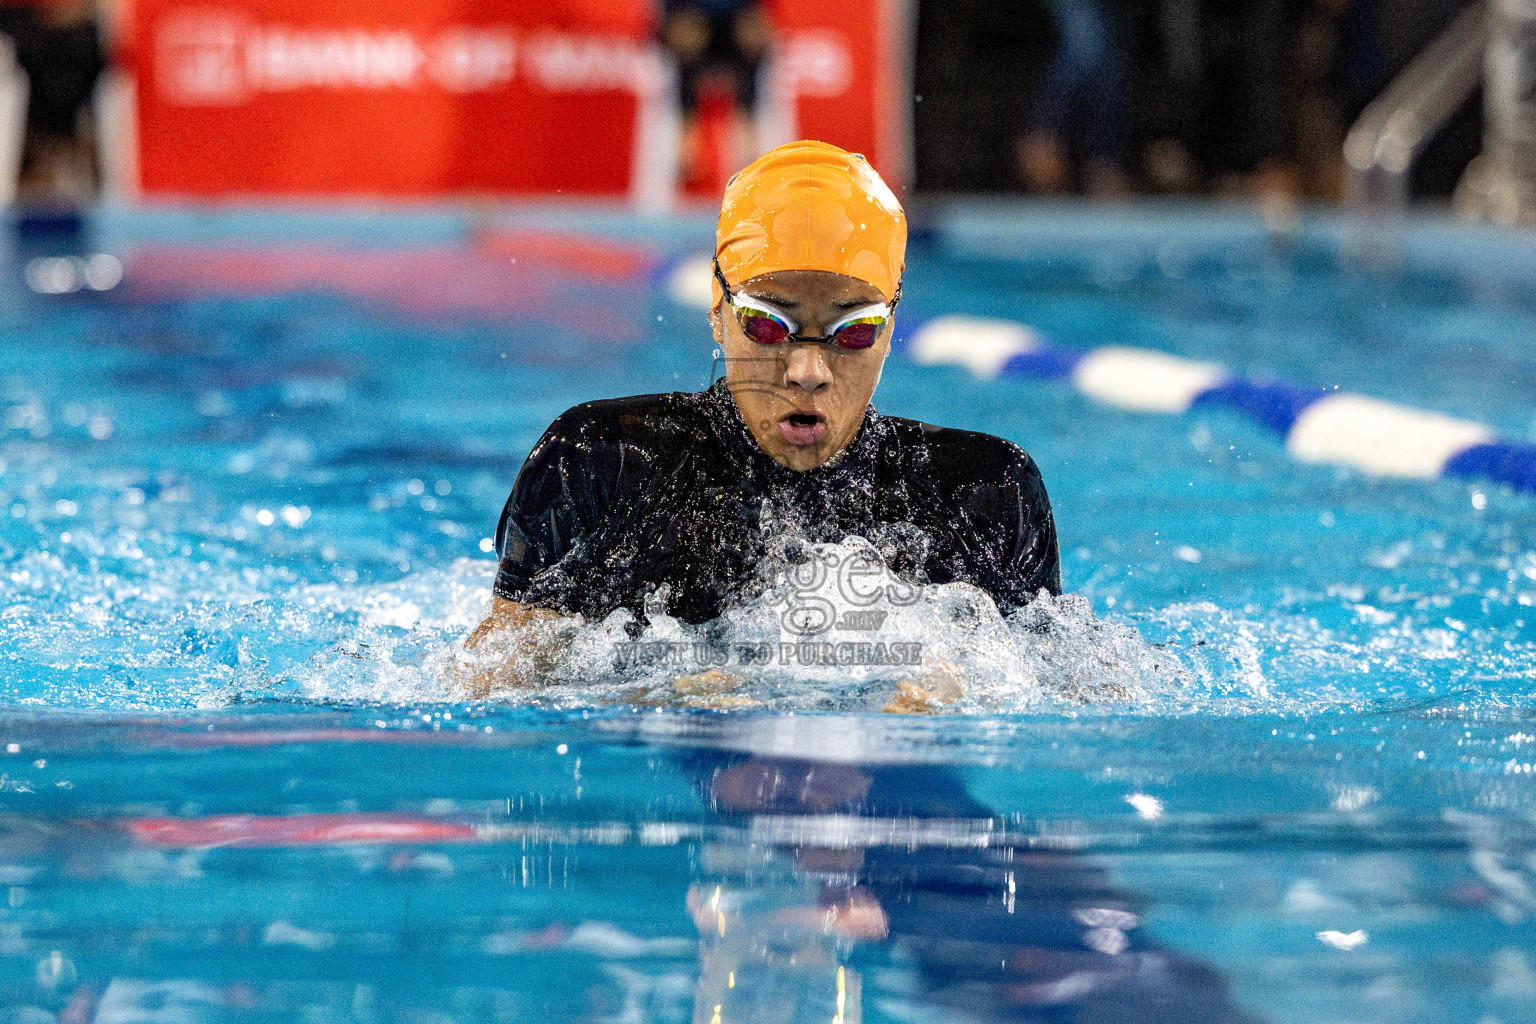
(856,335)
(765,330)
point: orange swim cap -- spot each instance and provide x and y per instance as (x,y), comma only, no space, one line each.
(811,206)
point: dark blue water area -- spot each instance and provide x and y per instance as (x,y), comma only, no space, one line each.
(240,517)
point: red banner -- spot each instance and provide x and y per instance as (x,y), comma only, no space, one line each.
(506,97)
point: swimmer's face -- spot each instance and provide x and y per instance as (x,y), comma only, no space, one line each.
(802,401)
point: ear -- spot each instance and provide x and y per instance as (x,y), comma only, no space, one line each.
(717,322)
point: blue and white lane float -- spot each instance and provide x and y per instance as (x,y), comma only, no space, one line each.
(1319,425)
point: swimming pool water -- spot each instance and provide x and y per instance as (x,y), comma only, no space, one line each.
(244,497)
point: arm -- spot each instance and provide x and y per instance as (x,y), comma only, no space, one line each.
(1017,530)
(512,646)
(551,508)
(997,506)
(505,616)
(1036,560)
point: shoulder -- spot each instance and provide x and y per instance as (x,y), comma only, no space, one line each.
(964,456)
(643,421)
(1001,504)
(594,454)
(613,416)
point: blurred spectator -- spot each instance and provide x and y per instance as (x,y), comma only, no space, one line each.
(978,65)
(1247,98)
(1081,105)
(1214,95)
(1244,143)
(58,47)
(719,46)
(1337,68)
(1254,97)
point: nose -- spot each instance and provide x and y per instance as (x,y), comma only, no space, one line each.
(805,366)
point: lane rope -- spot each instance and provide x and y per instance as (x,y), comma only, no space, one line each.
(1318,425)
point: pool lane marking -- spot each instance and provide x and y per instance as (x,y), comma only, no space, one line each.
(688,282)
(1319,425)
(254,830)
(274,831)
(1509,461)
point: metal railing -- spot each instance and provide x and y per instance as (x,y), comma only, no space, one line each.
(1501,184)
(1381,148)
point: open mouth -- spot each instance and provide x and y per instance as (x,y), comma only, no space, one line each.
(803,428)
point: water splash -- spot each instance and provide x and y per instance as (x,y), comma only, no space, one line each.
(836,630)
(121,618)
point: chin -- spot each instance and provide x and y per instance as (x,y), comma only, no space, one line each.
(797,459)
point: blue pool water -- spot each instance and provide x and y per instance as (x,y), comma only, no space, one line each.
(1275,761)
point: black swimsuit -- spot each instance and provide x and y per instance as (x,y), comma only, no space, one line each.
(623,496)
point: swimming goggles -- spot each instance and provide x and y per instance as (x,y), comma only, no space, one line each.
(767,326)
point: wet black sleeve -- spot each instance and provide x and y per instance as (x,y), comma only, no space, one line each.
(1004,515)
(1034,561)
(558,501)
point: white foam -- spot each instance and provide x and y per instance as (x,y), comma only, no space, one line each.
(389,610)
(982,345)
(388,654)
(1143,379)
(971,658)
(1379,437)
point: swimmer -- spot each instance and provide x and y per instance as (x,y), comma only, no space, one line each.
(673,498)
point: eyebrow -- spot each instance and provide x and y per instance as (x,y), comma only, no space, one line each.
(776,300)
(779,300)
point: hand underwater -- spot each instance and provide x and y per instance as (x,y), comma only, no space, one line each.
(510,650)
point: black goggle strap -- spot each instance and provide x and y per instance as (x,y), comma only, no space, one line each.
(720,277)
